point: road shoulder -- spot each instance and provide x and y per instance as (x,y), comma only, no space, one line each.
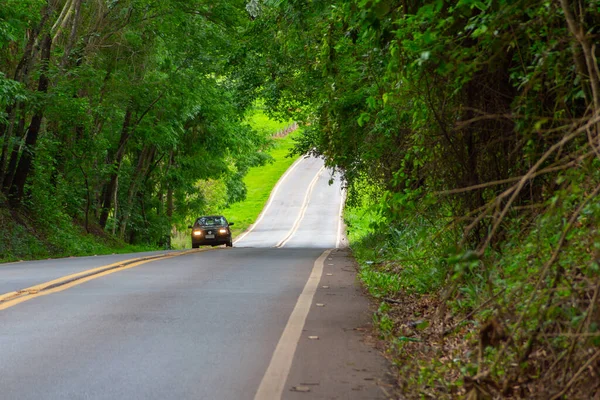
(333,359)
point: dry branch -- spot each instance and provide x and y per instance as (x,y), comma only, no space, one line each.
(515,190)
(576,376)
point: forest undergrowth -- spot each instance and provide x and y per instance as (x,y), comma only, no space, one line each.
(30,236)
(520,321)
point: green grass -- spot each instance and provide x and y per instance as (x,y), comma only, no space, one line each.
(393,258)
(262,123)
(34,241)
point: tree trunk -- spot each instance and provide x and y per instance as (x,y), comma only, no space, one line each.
(109,190)
(22,71)
(143,165)
(116,203)
(62,20)
(7,134)
(170,206)
(23,170)
(169,213)
(73,34)
(11,169)
(21,74)
(88,199)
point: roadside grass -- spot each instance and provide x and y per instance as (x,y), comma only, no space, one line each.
(395,259)
(400,267)
(434,301)
(261,122)
(55,239)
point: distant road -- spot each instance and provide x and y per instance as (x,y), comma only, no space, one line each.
(303,212)
(207,324)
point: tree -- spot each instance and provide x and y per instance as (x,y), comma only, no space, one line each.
(112,105)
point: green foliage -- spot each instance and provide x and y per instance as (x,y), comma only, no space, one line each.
(470,127)
(405,258)
(258,119)
(141,105)
(24,238)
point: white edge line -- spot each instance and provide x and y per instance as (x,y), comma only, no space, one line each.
(273,382)
(271,198)
(300,217)
(338,241)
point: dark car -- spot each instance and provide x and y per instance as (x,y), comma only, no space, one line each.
(211,230)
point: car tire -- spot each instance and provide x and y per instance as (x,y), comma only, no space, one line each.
(229,244)
(195,246)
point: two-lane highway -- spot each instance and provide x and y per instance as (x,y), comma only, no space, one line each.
(199,326)
(206,324)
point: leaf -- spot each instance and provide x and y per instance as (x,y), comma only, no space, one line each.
(363,118)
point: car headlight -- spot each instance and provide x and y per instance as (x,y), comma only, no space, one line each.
(222,230)
(197,233)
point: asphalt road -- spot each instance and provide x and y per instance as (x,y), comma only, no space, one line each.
(305,210)
(203,325)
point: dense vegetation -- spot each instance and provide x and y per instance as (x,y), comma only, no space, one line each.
(467,132)
(111,112)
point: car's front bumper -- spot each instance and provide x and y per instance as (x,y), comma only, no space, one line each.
(210,242)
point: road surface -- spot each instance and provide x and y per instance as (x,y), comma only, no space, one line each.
(277,316)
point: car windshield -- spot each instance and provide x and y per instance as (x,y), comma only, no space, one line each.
(210,221)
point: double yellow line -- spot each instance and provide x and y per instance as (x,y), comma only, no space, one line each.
(57,285)
(300,217)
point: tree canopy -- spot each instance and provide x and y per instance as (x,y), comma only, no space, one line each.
(114,110)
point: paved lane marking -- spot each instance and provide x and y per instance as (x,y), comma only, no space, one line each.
(338,241)
(42,286)
(302,210)
(273,382)
(13,298)
(270,201)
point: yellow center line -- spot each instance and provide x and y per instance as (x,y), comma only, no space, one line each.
(58,285)
(305,203)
